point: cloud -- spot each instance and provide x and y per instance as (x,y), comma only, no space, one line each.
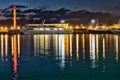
(117,8)
(18,6)
(11,6)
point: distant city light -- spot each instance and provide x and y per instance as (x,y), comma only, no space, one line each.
(93,21)
(62,21)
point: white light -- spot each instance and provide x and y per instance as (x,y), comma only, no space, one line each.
(93,21)
(61,29)
(62,21)
(47,29)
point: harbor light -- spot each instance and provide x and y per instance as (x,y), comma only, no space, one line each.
(18,28)
(93,21)
(62,21)
(1,28)
(90,27)
(77,27)
(6,28)
(12,28)
(70,27)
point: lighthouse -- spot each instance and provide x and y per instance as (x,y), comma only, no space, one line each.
(14,16)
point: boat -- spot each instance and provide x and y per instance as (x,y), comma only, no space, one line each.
(41,29)
(115,30)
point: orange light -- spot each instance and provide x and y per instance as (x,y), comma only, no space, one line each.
(77,27)
(15,54)
(14,14)
(18,28)
(12,28)
(1,28)
(90,27)
(6,28)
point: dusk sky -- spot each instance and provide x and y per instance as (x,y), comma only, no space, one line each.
(93,5)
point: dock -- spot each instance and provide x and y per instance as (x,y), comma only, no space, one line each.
(91,32)
(74,32)
(11,32)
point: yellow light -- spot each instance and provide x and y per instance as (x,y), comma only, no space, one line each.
(70,27)
(18,28)
(6,28)
(90,27)
(103,27)
(96,27)
(83,27)
(77,27)
(1,28)
(12,28)
(116,27)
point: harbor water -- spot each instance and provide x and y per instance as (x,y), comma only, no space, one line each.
(60,57)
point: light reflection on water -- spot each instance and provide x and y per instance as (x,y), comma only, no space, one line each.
(74,53)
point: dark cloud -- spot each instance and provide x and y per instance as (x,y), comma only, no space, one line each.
(11,6)
(18,6)
(117,8)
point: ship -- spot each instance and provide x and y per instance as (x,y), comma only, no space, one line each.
(41,29)
(115,30)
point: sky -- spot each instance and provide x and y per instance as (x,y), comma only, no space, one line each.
(92,5)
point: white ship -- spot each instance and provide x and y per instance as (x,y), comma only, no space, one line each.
(41,29)
(115,30)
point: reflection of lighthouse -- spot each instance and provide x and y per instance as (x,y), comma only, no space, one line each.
(15,63)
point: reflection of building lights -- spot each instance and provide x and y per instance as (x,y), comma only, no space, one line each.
(117,47)
(2,46)
(77,47)
(70,45)
(103,48)
(56,42)
(18,45)
(83,39)
(103,67)
(6,46)
(63,52)
(67,45)
(97,46)
(70,49)
(92,50)
(35,45)
(12,44)
(47,42)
